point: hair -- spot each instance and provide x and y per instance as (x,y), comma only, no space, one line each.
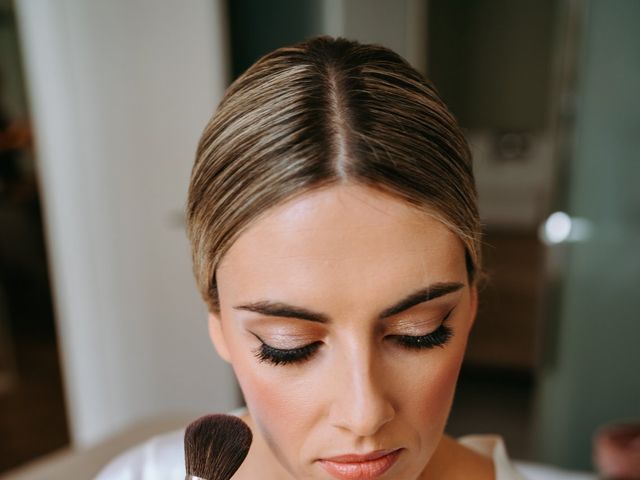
(323,112)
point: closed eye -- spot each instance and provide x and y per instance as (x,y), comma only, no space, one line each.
(437,338)
(279,356)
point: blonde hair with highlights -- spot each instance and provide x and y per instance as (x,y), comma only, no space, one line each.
(323,112)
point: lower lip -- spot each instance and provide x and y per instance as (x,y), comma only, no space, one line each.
(361,470)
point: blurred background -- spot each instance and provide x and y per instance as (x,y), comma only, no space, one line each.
(103,337)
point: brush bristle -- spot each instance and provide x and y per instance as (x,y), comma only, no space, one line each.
(215,446)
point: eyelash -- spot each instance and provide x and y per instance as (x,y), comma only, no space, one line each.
(438,338)
(276,356)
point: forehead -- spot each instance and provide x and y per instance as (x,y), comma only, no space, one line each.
(342,241)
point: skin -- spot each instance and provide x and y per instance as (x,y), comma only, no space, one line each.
(349,252)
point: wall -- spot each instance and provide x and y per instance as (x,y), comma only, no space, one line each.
(399,25)
(258,27)
(11,81)
(120,91)
(592,379)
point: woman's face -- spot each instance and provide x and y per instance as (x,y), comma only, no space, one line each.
(345,315)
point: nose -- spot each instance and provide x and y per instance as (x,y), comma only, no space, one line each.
(362,404)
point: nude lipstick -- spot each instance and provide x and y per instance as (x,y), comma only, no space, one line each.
(360,467)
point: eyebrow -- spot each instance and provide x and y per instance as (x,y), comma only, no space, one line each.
(280,309)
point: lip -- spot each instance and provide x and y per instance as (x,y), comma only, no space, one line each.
(360,467)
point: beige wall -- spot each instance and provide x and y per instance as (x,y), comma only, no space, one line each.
(120,91)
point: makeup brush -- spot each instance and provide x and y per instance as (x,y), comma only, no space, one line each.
(215,446)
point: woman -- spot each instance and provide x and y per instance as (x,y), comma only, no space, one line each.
(336,241)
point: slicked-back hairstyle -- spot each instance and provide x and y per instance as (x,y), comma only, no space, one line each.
(322,112)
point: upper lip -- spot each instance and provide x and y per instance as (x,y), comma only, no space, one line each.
(355,458)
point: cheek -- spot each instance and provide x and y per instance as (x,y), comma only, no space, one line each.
(436,390)
(428,396)
(271,401)
(280,407)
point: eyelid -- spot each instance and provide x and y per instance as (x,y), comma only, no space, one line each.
(415,327)
(277,356)
(438,338)
(286,341)
(408,325)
